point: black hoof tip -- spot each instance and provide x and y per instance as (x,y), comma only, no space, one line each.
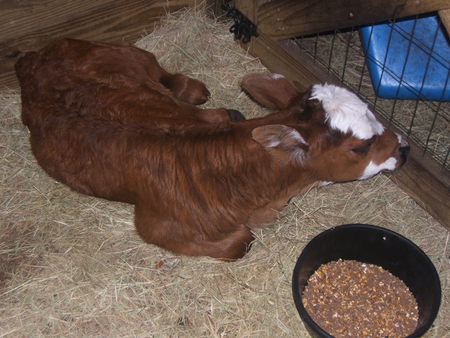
(235,115)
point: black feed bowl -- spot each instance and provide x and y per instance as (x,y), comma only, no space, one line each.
(373,245)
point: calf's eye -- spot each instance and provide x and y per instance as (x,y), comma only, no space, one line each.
(361,150)
(364,148)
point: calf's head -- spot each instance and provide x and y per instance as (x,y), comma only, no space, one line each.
(328,131)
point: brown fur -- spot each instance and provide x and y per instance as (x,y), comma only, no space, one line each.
(108,121)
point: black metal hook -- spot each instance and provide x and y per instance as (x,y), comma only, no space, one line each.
(243,29)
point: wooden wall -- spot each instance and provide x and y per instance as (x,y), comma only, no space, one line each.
(29,24)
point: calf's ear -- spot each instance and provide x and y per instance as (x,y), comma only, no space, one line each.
(270,90)
(283,138)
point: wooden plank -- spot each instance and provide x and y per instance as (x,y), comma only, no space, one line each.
(444,15)
(425,189)
(281,19)
(280,61)
(248,8)
(426,181)
(22,17)
(29,25)
(216,7)
(320,75)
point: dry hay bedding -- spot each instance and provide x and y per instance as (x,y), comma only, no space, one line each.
(72,265)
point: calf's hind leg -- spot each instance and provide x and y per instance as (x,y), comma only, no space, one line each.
(194,92)
(180,239)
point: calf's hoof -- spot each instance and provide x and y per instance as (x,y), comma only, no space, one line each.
(235,115)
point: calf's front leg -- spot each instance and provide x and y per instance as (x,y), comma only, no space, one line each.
(184,239)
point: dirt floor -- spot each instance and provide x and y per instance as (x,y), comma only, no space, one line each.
(73,266)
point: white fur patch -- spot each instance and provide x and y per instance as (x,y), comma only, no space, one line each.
(372,169)
(292,133)
(402,141)
(298,154)
(273,143)
(297,136)
(346,112)
(276,76)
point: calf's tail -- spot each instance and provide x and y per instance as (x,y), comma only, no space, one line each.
(25,69)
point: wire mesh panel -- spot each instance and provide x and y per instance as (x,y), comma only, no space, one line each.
(426,122)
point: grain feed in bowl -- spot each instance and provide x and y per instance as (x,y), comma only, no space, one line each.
(348,298)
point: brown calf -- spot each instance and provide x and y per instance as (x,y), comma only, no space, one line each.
(108,121)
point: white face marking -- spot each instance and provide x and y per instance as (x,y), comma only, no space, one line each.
(346,112)
(372,169)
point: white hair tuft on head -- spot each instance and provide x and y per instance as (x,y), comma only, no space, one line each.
(346,112)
